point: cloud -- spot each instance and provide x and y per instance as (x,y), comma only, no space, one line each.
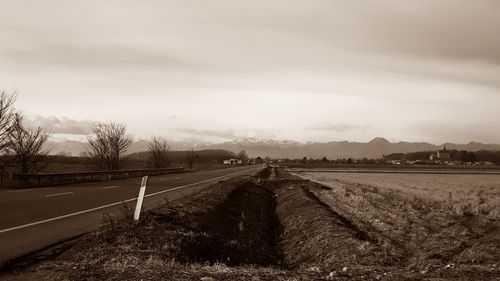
(285,64)
(97,57)
(269,133)
(463,132)
(226,134)
(340,128)
(62,125)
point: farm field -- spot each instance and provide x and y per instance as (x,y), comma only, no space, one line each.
(430,223)
(456,193)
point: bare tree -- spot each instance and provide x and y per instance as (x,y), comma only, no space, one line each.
(7,100)
(159,150)
(242,155)
(108,145)
(191,157)
(28,144)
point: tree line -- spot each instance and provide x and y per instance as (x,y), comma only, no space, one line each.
(455,155)
(206,157)
(26,147)
(423,156)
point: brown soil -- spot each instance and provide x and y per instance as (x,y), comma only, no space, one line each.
(241,230)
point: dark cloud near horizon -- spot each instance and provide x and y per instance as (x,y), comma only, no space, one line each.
(442,132)
(62,125)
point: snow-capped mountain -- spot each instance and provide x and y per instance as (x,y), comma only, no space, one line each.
(260,142)
(254,147)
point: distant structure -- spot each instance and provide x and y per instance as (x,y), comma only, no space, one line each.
(441,155)
(233,162)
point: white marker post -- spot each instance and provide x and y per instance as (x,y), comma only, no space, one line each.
(140,198)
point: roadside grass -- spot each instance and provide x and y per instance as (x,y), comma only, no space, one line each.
(227,233)
(264,173)
(318,239)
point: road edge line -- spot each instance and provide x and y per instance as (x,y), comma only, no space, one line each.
(112,204)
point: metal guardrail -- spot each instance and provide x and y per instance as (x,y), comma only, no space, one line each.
(43,180)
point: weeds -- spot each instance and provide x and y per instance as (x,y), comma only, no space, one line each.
(127,211)
(109,220)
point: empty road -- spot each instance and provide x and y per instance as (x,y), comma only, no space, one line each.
(33,219)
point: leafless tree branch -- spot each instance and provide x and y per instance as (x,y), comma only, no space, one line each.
(159,150)
(108,145)
(191,157)
(7,100)
(28,144)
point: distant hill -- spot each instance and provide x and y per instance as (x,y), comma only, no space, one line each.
(178,157)
(375,148)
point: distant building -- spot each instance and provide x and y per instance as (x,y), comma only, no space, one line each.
(233,162)
(441,155)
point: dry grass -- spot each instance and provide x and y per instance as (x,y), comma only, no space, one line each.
(416,217)
(458,194)
(317,239)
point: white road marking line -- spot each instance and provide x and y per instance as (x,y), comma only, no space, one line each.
(108,187)
(59,194)
(114,204)
(28,189)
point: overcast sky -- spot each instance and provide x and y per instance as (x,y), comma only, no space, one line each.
(425,70)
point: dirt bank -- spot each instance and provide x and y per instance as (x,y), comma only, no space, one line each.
(242,230)
(317,239)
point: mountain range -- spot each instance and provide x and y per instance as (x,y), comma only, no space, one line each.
(375,148)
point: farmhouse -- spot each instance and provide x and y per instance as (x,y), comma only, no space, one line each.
(442,155)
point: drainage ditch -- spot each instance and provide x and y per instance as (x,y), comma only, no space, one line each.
(278,223)
(242,230)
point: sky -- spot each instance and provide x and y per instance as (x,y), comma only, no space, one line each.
(220,70)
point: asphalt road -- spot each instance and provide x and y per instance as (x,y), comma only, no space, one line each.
(33,219)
